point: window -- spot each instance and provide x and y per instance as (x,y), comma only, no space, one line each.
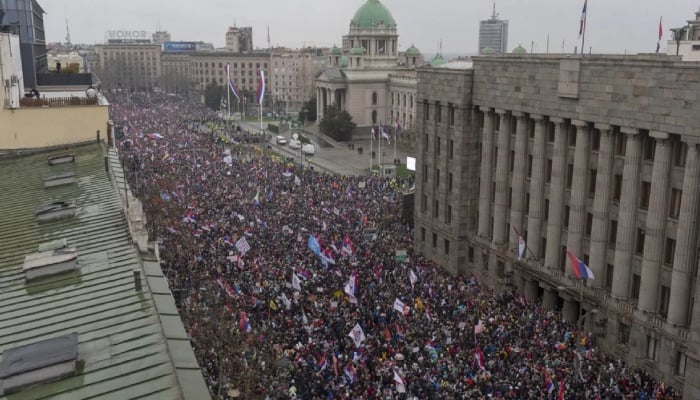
(566,216)
(651,348)
(447,246)
(612,238)
(591,182)
(609,274)
(438,112)
(645,192)
(669,251)
(451,114)
(470,254)
(374,99)
(623,333)
(680,154)
(529,166)
(682,361)
(636,281)
(595,140)
(569,175)
(663,301)
(426,110)
(436,208)
(434,240)
(425,142)
(451,148)
(649,148)
(449,181)
(620,144)
(589,224)
(422,234)
(448,215)
(425,173)
(548,173)
(424,203)
(674,209)
(617,188)
(639,248)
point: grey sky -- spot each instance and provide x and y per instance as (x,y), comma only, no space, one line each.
(613,25)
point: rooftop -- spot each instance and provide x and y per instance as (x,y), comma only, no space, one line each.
(130,343)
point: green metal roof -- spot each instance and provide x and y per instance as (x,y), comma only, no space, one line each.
(519,50)
(373,14)
(123,344)
(357,51)
(412,51)
(438,60)
(336,51)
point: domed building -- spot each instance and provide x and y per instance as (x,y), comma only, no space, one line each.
(369,76)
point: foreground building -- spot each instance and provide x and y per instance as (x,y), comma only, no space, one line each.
(597,156)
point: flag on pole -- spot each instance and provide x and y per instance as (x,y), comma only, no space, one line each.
(398,126)
(322,364)
(412,277)
(256,199)
(261,87)
(400,384)
(357,335)
(521,247)
(661,34)
(580,269)
(296,283)
(244,324)
(314,245)
(297,181)
(230,82)
(548,384)
(479,358)
(582,28)
(374,133)
(562,389)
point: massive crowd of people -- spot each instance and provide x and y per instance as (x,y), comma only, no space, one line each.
(290,285)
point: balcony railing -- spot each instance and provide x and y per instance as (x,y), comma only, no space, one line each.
(58,101)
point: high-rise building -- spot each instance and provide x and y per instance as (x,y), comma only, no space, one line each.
(493,35)
(685,40)
(160,37)
(239,39)
(292,74)
(25,18)
(128,66)
(527,162)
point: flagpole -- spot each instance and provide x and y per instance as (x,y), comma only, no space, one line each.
(228,100)
(396,139)
(380,136)
(583,34)
(371,148)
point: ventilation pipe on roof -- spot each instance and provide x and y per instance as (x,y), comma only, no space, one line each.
(137,280)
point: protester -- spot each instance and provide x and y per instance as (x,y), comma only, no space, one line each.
(293,288)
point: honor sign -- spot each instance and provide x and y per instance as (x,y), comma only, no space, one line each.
(128,37)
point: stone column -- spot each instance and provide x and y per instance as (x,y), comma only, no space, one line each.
(627,215)
(556,194)
(686,241)
(601,205)
(579,189)
(502,171)
(655,236)
(535,215)
(319,114)
(517,203)
(486,174)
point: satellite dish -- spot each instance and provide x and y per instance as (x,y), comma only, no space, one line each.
(295,136)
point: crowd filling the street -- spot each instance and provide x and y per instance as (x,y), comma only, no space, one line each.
(294,283)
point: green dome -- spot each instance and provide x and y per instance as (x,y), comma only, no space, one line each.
(519,50)
(488,50)
(357,51)
(412,51)
(343,61)
(336,51)
(437,61)
(373,14)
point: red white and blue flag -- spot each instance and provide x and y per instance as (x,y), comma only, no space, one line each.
(231,85)
(479,358)
(261,87)
(548,384)
(346,247)
(582,28)
(323,364)
(580,269)
(244,325)
(562,390)
(398,126)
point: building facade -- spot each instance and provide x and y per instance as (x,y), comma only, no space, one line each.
(493,35)
(292,75)
(128,66)
(685,41)
(597,156)
(25,18)
(239,39)
(363,75)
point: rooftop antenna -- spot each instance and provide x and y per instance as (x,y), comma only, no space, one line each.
(67,33)
(494,15)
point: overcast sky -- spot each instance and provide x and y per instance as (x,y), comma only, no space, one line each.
(614,26)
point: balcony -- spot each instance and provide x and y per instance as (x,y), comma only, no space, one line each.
(58,101)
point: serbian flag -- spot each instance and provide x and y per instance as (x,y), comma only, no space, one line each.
(350,373)
(581,270)
(548,384)
(582,28)
(230,82)
(521,247)
(244,325)
(261,87)
(374,133)
(322,364)
(385,134)
(661,34)
(346,247)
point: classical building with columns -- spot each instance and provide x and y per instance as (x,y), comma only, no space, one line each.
(369,77)
(595,155)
